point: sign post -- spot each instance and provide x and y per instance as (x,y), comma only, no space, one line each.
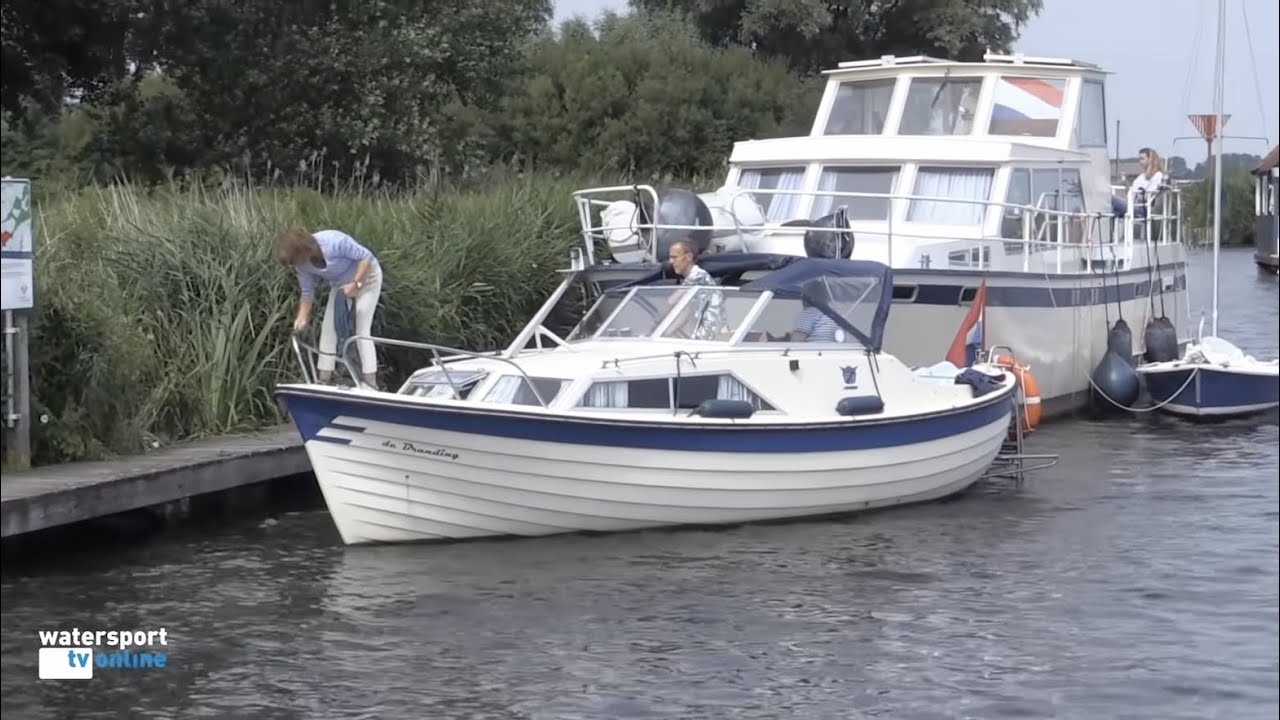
(17,297)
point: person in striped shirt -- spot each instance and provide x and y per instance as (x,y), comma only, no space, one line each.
(813,325)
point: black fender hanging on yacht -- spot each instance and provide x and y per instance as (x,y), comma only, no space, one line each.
(834,244)
(676,206)
(1120,341)
(1115,384)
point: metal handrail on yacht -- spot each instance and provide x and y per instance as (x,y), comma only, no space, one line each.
(1037,221)
(306,353)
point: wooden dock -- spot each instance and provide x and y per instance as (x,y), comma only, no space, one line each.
(58,495)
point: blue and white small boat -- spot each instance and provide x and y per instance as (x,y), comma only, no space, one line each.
(1214,378)
(666,405)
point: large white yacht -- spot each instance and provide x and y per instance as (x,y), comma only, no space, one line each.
(957,175)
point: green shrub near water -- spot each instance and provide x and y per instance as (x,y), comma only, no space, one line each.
(163,315)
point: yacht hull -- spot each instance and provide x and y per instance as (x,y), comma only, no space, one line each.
(402,472)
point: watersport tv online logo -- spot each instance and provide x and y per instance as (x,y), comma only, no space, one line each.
(74,654)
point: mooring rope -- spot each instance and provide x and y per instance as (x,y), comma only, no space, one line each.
(1157,406)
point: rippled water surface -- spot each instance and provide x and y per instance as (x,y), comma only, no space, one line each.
(1138,579)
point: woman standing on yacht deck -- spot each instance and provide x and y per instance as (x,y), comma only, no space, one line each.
(350,269)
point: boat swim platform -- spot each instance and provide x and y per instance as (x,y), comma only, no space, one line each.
(58,495)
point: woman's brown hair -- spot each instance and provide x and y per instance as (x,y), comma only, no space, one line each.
(296,245)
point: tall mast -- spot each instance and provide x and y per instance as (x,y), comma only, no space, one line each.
(1218,83)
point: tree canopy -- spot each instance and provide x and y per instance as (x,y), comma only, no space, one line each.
(812,35)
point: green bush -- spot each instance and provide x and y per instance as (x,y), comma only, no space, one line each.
(162,315)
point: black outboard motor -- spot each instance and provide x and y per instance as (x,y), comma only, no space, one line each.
(676,206)
(834,244)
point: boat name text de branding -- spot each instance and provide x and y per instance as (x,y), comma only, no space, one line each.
(410,447)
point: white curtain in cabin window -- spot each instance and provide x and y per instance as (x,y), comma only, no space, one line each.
(880,181)
(777,208)
(606,395)
(951,183)
(730,388)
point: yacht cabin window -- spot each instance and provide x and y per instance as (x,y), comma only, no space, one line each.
(940,106)
(860,107)
(1054,189)
(871,180)
(957,195)
(1091,120)
(1027,106)
(685,393)
(515,390)
(777,207)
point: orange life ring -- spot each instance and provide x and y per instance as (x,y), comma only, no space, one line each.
(1030,389)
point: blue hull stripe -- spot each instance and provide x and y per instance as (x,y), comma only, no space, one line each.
(943,290)
(315,410)
(1042,297)
(1213,388)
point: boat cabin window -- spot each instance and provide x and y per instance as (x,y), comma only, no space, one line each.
(441,383)
(687,392)
(811,317)
(515,390)
(710,313)
(1091,120)
(871,180)
(777,208)
(940,106)
(1055,189)
(959,196)
(860,107)
(1027,106)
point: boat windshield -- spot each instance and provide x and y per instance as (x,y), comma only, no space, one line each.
(828,310)
(704,313)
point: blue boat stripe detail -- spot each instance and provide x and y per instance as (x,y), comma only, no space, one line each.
(1043,297)
(348,428)
(328,439)
(313,410)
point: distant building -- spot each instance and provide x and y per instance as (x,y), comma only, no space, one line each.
(1265,191)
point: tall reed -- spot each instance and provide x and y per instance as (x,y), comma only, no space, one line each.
(162,314)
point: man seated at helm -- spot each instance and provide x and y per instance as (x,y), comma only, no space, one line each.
(813,325)
(709,313)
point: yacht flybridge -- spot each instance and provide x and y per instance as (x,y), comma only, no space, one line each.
(959,176)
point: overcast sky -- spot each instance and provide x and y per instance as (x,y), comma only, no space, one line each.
(1161,54)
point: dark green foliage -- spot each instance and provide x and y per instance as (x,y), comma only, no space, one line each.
(813,35)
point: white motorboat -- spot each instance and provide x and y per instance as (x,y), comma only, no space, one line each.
(956,175)
(666,405)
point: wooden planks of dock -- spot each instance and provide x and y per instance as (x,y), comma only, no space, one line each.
(58,495)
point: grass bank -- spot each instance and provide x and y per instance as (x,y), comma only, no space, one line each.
(162,314)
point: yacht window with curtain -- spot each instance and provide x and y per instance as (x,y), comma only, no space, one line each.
(877,180)
(656,394)
(860,107)
(777,208)
(952,186)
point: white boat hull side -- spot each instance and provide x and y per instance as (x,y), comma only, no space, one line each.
(387,482)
